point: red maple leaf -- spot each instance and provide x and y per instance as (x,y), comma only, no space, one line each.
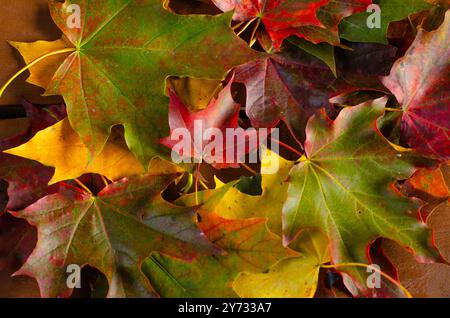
(283,18)
(221,115)
(290,86)
(420,82)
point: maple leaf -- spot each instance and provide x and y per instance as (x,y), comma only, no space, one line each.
(12,131)
(280,17)
(425,280)
(293,277)
(429,182)
(362,66)
(27,180)
(322,51)
(290,86)
(440,223)
(221,114)
(420,82)
(17,131)
(341,186)
(108,78)
(249,246)
(17,240)
(283,18)
(41,74)
(228,202)
(354,28)
(113,231)
(195,93)
(59,146)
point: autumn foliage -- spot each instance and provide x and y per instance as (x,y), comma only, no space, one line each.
(364,119)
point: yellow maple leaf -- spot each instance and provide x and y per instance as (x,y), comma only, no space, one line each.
(229,203)
(59,146)
(293,277)
(41,73)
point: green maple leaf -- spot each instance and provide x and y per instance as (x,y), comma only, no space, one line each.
(354,28)
(113,231)
(342,188)
(249,246)
(123,52)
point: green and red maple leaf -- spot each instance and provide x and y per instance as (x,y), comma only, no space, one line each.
(113,231)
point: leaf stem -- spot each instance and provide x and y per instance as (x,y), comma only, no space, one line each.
(26,67)
(248,168)
(238,25)
(413,27)
(81,184)
(197,177)
(48,111)
(287,147)
(252,38)
(104,180)
(203,184)
(389,109)
(189,182)
(246,26)
(218,88)
(389,278)
(295,137)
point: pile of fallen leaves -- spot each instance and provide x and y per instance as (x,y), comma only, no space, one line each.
(365,123)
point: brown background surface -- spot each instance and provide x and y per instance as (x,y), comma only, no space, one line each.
(23,21)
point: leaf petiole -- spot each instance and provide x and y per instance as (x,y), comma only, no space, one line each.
(298,153)
(246,26)
(248,168)
(26,67)
(238,25)
(389,109)
(189,182)
(104,180)
(252,37)
(197,177)
(82,185)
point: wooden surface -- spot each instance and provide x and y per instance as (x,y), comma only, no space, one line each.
(25,21)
